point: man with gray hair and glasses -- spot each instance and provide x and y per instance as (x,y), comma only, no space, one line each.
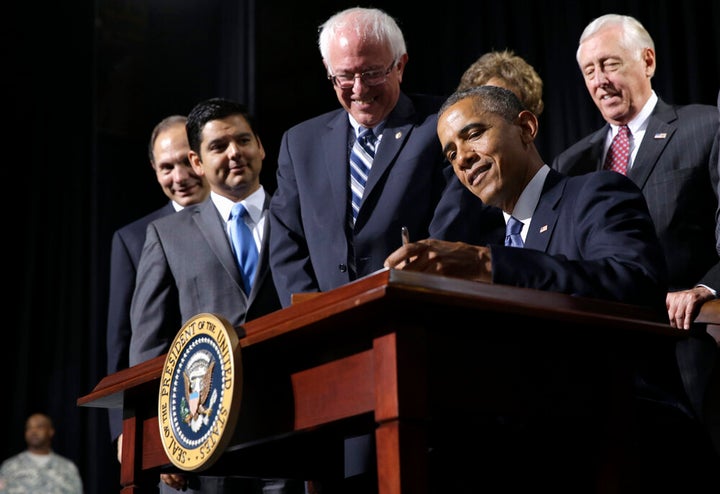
(350,179)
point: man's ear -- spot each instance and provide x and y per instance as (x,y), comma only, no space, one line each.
(528,122)
(648,57)
(400,65)
(196,163)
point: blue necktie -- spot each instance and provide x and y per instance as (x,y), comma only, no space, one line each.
(512,233)
(361,158)
(244,245)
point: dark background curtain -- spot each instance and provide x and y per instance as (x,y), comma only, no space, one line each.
(87,80)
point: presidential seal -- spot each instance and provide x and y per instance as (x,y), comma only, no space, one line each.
(200,391)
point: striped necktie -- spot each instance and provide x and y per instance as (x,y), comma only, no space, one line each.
(361,158)
(243,245)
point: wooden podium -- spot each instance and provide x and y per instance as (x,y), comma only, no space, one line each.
(413,358)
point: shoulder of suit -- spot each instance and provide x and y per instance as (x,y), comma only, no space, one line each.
(603,179)
(698,111)
(167,221)
(321,120)
(139,225)
(583,143)
(695,111)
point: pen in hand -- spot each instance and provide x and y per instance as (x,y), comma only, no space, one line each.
(405,234)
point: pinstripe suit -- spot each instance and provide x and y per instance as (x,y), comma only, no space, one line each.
(680,180)
(680,184)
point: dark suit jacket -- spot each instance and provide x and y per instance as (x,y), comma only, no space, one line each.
(680,183)
(677,169)
(590,236)
(312,247)
(187,267)
(127,244)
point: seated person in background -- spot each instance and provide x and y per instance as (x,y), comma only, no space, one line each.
(39,469)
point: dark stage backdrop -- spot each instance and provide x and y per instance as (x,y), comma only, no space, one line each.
(85,91)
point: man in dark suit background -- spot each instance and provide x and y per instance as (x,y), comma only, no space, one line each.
(168,154)
(188,266)
(673,160)
(316,244)
(669,160)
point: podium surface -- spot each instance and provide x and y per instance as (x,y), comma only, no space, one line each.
(416,359)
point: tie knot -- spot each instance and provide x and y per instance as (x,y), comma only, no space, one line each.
(512,233)
(366,135)
(514,226)
(624,131)
(238,211)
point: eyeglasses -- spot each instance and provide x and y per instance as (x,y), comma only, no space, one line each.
(369,78)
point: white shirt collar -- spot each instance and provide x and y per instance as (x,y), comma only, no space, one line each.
(527,202)
(254,203)
(377,130)
(638,124)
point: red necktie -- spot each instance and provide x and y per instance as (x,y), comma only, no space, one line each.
(619,153)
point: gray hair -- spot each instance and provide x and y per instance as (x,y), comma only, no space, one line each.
(635,37)
(369,24)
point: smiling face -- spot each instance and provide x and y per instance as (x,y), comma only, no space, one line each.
(231,157)
(350,54)
(172,167)
(490,155)
(616,75)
